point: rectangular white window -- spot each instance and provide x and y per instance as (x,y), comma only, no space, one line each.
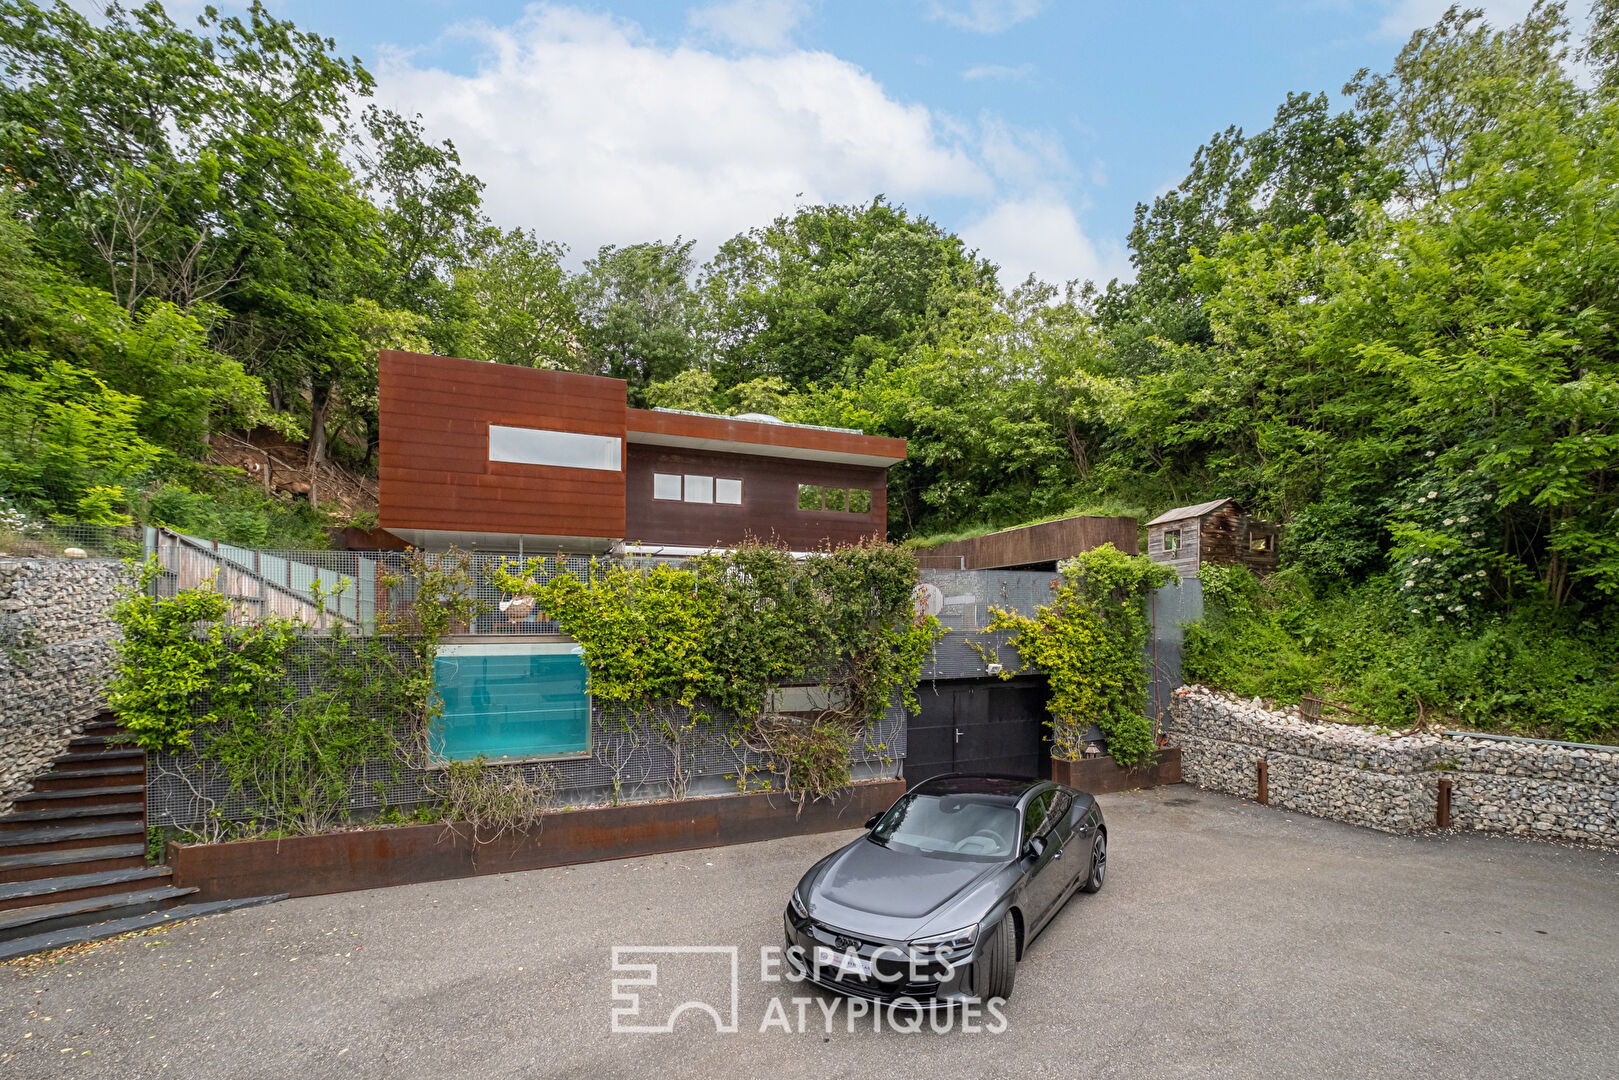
(564,449)
(699,489)
(728,492)
(666,486)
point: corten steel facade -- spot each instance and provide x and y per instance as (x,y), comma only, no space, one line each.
(489,455)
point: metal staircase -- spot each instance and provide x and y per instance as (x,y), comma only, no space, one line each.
(73,853)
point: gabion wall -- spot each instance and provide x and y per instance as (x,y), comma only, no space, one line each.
(56,654)
(1355,774)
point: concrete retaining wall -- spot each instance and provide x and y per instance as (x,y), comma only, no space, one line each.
(56,653)
(1391,783)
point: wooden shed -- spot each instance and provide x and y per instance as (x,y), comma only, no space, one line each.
(1218,532)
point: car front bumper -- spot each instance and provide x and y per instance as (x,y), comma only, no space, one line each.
(934,984)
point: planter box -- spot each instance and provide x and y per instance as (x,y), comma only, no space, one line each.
(377,858)
(1099,775)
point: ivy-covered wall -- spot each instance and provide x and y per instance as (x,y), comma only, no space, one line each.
(276,727)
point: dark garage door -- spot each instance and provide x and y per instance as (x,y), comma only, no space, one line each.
(979,725)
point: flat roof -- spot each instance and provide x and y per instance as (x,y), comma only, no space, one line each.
(765,438)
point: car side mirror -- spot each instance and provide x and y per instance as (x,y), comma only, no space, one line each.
(872,821)
(1036,846)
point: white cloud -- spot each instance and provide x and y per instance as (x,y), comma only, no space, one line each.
(1040,234)
(590,132)
(753,25)
(998,72)
(985,16)
(1405,17)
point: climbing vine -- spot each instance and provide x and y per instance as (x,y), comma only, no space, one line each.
(709,645)
(1088,641)
(164,664)
(290,710)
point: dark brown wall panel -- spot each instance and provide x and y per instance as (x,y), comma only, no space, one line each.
(435,471)
(769,507)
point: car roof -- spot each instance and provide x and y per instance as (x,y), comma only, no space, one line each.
(1010,788)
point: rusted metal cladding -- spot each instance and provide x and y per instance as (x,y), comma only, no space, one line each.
(377,858)
(769,510)
(1046,542)
(435,469)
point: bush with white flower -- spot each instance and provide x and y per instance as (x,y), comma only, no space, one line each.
(1445,541)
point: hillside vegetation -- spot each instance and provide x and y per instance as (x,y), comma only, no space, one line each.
(1389,325)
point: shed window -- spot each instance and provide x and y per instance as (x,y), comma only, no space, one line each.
(837,499)
(1260,543)
(1172,540)
(699,489)
(809,496)
(859,501)
(510,700)
(728,492)
(666,486)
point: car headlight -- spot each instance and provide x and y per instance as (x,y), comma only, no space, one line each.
(797,904)
(955,941)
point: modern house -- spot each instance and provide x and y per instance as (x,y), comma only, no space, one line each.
(499,457)
(1218,532)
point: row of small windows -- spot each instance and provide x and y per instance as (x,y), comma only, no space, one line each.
(686,487)
(840,500)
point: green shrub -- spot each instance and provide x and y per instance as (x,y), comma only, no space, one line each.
(1536,670)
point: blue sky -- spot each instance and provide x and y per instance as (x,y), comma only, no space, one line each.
(1031,127)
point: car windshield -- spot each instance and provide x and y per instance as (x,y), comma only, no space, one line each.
(954,826)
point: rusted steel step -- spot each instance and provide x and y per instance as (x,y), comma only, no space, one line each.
(74,886)
(28,865)
(78,781)
(58,939)
(67,813)
(17,921)
(136,769)
(55,834)
(81,793)
(76,760)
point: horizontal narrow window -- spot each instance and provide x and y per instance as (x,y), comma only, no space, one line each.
(564,449)
(699,489)
(728,492)
(516,700)
(666,486)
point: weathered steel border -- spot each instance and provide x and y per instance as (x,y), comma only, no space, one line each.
(378,858)
(1100,775)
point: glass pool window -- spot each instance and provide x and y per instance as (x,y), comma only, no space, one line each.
(511,700)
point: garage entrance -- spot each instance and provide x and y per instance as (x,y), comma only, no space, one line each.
(979,725)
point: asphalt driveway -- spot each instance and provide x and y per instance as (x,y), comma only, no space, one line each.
(1230,940)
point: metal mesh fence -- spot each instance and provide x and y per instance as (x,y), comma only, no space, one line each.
(626,759)
(24,538)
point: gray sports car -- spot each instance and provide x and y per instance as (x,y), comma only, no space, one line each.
(936,903)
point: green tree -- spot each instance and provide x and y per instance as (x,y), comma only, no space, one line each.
(641,319)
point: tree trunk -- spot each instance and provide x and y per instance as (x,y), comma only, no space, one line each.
(320,407)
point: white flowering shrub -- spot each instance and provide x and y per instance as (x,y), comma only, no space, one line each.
(1445,543)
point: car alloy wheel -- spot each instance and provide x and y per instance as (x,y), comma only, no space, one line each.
(1098,865)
